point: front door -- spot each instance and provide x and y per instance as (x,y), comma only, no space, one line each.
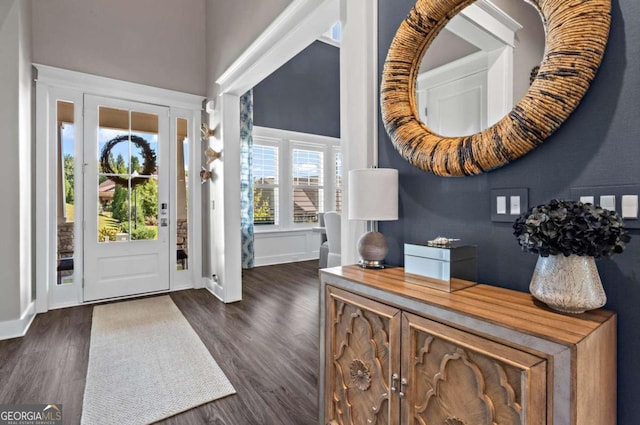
(126,175)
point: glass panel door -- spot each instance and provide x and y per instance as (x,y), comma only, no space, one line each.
(126,198)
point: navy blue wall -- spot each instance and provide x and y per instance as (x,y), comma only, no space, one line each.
(302,95)
(598,145)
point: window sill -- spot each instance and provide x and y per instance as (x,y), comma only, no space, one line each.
(290,230)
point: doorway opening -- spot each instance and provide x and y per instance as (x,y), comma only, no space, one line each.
(115,170)
(297,27)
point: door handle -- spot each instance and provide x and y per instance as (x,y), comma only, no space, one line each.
(403,387)
(394,382)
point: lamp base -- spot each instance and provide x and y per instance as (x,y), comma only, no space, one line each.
(371,264)
(372,248)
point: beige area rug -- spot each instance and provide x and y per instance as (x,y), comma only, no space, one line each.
(146,363)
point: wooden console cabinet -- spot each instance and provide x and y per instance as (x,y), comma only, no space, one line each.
(396,352)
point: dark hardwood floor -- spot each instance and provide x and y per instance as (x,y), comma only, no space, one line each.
(267,345)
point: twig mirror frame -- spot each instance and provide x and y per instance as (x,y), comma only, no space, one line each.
(576,33)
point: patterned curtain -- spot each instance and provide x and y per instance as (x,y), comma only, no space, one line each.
(246,178)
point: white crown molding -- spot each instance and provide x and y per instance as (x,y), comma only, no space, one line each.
(454,70)
(485,26)
(328,40)
(293,30)
(103,86)
(499,15)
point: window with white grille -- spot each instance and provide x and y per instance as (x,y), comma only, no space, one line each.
(265,184)
(296,176)
(307,172)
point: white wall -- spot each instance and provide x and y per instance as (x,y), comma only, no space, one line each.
(231,27)
(160,43)
(25,158)
(15,162)
(10,213)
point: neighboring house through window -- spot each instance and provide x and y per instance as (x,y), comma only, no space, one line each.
(308,184)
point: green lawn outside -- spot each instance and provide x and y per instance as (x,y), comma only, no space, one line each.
(104,220)
(70,212)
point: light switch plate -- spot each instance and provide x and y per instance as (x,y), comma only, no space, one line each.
(508,204)
(612,198)
(514,208)
(501,205)
(587,199)
(608,202)
(629,206)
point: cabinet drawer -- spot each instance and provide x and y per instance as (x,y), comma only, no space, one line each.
(457,378)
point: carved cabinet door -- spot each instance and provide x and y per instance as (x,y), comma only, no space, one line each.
(457,378)
(361,357)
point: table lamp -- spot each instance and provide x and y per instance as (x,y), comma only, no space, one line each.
(373,196)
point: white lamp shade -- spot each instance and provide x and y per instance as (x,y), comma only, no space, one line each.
(373,194)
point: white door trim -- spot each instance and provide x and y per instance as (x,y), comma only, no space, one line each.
(103,86)
(298,26)
(71,85)
(192,277)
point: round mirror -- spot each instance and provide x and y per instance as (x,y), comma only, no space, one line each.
(479,66)
(575,39)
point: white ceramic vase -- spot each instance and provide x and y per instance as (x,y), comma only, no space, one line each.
(568,284)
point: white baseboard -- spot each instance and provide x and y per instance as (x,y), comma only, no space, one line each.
(182,287)
(63,305)
(271,260)
(213,287)
(19,327)
(216,289)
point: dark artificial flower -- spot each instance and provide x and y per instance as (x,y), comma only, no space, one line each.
(569,227)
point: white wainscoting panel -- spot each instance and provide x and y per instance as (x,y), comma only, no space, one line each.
(285,246)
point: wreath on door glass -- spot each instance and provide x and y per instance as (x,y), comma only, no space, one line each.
(148,156)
